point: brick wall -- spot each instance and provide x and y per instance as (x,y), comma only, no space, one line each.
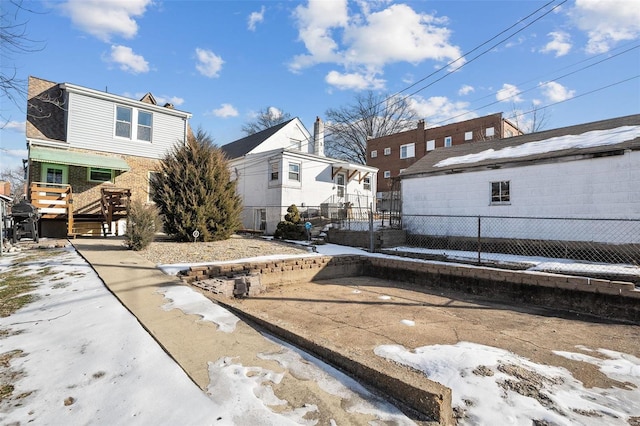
(420,135)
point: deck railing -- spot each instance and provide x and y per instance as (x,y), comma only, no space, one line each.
(53,201)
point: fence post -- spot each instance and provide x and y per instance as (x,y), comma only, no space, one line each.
(371,245)
(479,239)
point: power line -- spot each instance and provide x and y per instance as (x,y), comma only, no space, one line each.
(328,133)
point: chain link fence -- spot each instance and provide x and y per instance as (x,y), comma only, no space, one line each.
(601,247)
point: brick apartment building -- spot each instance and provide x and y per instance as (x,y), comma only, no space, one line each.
(393,153)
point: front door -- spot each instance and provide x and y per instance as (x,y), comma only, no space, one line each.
(54,173)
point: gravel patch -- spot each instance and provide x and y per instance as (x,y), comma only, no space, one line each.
(165,252)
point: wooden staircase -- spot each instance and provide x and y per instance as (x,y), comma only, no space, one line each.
(114,204)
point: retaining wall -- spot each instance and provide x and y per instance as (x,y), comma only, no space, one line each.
(604,298)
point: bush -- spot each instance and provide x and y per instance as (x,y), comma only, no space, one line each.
(142,224)
(291,227)
(194,192)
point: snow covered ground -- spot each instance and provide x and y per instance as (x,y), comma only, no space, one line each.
(86,360)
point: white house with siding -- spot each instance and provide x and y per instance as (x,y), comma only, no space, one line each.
(90,151)
(585,171)
(286,165)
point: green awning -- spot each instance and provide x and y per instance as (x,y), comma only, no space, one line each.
(74,158)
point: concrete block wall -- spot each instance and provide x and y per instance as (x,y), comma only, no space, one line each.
(381,238)
(285,271)
(618,300)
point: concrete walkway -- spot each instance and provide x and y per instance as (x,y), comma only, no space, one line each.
(193,343)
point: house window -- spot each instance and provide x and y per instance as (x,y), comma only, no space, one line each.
(152,177)
(500,192)
(431,145)
(374,153)
(123,122)
(408,150)
(489,132)
(297,145)
(96,174)
(447,142)
(274,172)
(144,126)
(387,174)
(294,171)
(340,185)
(387,151)
(468,136)
(366,184)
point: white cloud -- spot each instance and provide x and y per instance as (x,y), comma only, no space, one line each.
(440,110)
(163,99)
(255,18)
(560,43)
(225,111)
(465,90)
(365,42)
(15,126)
(607,22)
(106,18)
(398,34)
(128,60)
(508,93)
(354,81)
(209,64)
(556,92)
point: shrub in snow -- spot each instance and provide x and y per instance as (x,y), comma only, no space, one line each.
(194,192)
(142,224)
(291,228)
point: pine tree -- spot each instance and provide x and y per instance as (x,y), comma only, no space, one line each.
(193,192)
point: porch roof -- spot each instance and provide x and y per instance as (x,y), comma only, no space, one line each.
(74,158)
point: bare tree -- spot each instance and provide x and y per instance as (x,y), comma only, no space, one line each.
(531,121)
(15,176)
(348,128)
(15,41)
(267,117)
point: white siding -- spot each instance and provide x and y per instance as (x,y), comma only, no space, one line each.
(282,139)
(607,187)
(315,187)
(91,126)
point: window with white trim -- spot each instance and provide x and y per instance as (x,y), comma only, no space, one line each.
(294,171)
(408,150)
(500,192)
(387,174)
(123,122)
(387,151)
(96,174)
(366,183)
(490,132)
(431,145)
(274,171)
(144,126)
(374,153)
(468,136)
(448,141)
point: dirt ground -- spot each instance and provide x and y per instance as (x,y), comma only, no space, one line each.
(359,313)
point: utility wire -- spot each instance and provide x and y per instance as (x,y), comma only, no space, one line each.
(461,57)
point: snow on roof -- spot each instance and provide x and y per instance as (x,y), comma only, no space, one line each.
(585,140)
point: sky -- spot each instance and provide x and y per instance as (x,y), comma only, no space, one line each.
(79,344)
(574,61)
